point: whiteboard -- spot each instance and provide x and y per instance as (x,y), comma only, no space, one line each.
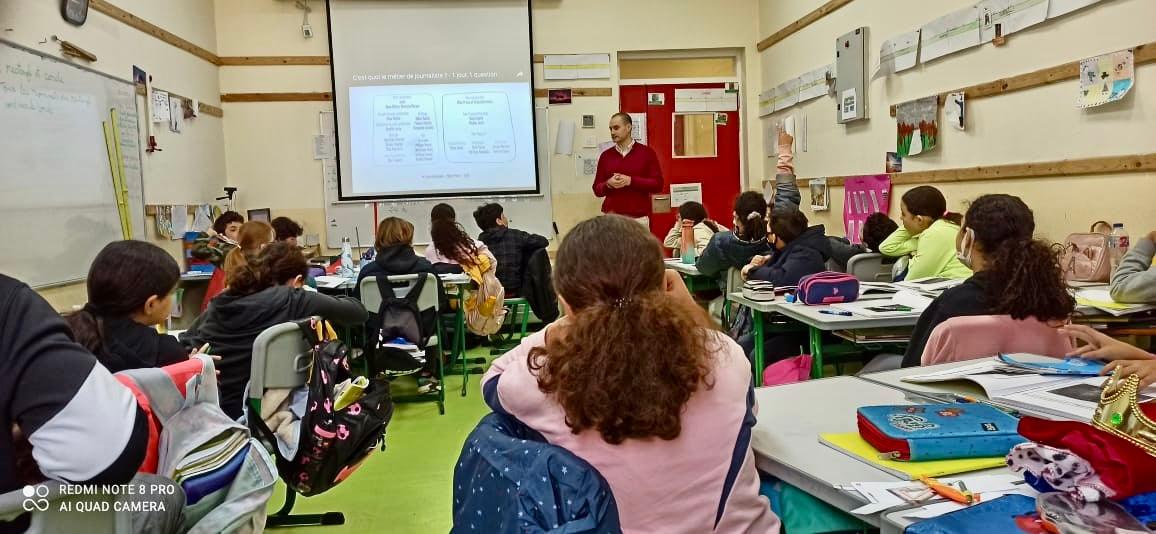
(534,213)
(57,205)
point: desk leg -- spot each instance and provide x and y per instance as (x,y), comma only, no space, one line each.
(460,343)
(816,352)
(757,317)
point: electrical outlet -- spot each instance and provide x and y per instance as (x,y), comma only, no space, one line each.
(307,31)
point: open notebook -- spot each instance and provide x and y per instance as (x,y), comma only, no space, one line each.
(1053,396)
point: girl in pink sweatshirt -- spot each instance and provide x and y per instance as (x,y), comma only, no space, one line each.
(635,381)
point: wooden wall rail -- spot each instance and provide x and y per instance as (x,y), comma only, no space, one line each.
(1043,169)
(1144,53)
(277,97)
(271,61)
(103,6)
(807,20)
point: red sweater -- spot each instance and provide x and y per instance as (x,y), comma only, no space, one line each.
(641,165)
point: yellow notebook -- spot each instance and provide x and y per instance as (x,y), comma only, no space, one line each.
(856,447)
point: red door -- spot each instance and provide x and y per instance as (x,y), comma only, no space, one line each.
(719,175)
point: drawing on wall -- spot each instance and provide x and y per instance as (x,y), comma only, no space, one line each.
(819,198)
(956,110)
(894,163)
(767,101)
(949,34)
(1105,79)
(897,54)
(1011,15)
(917,126)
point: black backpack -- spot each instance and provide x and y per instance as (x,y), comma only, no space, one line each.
(397,317)
(333,443)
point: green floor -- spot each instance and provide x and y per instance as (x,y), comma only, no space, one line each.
(407,488)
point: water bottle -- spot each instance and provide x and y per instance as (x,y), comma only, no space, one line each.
(346,270)
(1118,243)
(687,243)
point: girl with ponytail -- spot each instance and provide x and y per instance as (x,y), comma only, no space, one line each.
(634,376)
(1015,274)
(452,247)
(263,291)
(734,249)
(927,235)
(130,285)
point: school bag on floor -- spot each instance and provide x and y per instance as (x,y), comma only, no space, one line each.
(397,317)
(227,476)
(340,429)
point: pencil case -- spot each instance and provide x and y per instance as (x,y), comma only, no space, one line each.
(828,288)
(923,432)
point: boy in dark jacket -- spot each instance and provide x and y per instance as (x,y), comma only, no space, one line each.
(799,250)
(512,248)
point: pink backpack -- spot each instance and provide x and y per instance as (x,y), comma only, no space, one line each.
(1086,258)
(788,371)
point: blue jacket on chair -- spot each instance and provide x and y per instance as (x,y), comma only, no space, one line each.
(509,479)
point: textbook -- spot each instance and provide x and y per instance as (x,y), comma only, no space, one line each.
(1101,299)
(853,445)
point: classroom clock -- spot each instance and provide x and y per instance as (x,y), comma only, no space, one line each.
(74,11)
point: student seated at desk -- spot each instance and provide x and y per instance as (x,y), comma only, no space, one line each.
(130,286)
(875,230)
(928,235)
(799,250)
(214,245)
(511,248)
(286,229)
(1134,281)
(254,236)
(704,228)
(1015,274)
(671,435)
(66,417)
(452,247)
(263,292)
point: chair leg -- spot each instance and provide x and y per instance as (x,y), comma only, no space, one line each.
(284,519)
(525,319)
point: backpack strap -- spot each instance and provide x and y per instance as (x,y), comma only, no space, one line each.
(415,292)
(165,399)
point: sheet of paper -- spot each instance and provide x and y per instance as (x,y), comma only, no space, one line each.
(955,31)
(160,107)
(1105,79)
(788,94)
(329,176)
(638,131)
(705,100)
(820,195)
(848,104)
(324,147)
(814,84)
(586,165)
(202,218)
(564,141)
(1011,15)
(683,193)
(897,54)
(176,113)
(1058,8)
(576,66)
(180,221)
(767,100)
(195,108)
(955,108)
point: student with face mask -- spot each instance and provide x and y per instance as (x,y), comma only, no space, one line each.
(1015,274)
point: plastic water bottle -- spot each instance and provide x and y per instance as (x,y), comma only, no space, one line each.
(687,243)
(1118,243)
(346,270)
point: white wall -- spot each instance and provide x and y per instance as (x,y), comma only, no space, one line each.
(268,144)
(191,168)
(1040,124)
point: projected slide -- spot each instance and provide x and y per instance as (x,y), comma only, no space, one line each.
(441,138)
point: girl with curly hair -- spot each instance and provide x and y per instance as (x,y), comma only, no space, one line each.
(635,381)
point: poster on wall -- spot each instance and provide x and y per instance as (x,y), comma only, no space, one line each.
(917,126)
(819,197)
(955,31)
(1011,15)
(863,196)
(897,54)
(1105,79)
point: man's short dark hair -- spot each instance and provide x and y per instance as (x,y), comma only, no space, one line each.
(487,215)
(788,223)
(624,116)
(286,228)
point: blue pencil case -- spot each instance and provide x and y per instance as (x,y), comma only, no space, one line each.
(1066,366)
(924,432)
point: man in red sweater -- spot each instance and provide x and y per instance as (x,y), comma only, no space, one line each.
(627,174)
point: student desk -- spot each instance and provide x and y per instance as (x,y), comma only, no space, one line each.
(816,323)
(695,281)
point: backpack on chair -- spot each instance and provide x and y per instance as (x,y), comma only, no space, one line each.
(1086,258)
(485,306)
(397,317)
(335,438)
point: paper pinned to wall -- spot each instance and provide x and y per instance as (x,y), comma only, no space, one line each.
(638,130)
(202,218)
(176,113)
(180,223)
(1106,78)
(897,54)
(576,66)
(820,200)
(955,31)
(955,108)
(586,164)
(814,84)
(683,193)
(1058,8)
(324,147)
(564,141)
(160,107)
(705,100)
(788,94)
(767,101)
(849,104)
(917,126)
(1011,15)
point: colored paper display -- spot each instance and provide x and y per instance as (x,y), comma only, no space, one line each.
(917,126)
(863,196)
(1105,79)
